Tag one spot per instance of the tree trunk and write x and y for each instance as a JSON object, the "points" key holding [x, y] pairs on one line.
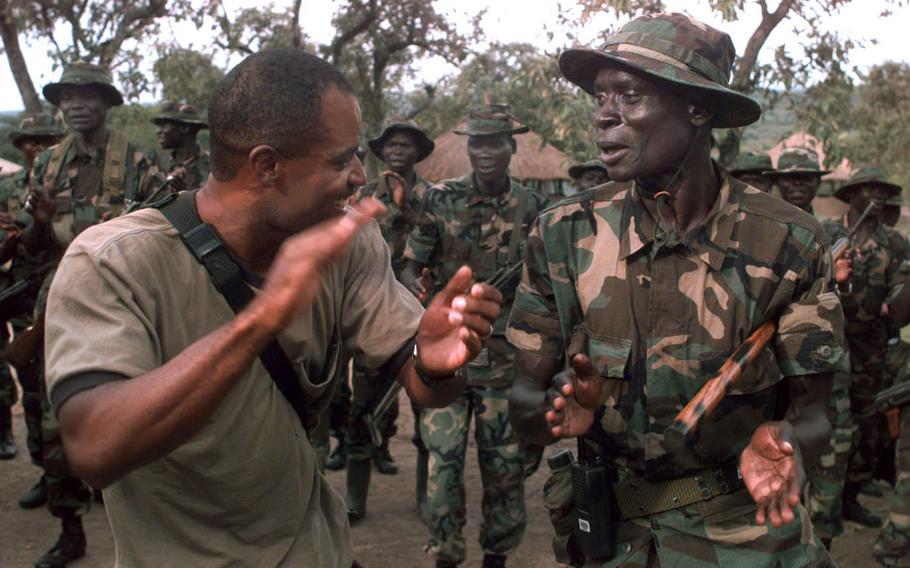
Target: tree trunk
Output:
{"points": [[17, 66]]}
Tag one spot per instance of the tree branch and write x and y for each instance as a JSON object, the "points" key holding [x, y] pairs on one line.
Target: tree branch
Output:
{"points": [[743, 75], [296, 34], [369, 16]]}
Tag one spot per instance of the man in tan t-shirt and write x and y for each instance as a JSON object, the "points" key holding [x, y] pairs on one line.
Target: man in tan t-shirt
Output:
{"points": [[161, 396]]}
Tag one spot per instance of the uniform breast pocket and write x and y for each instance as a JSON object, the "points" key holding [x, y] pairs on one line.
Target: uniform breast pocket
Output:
{"points": [[610, 355]]}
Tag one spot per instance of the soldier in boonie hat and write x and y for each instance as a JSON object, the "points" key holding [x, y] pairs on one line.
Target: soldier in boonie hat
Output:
{"points": [[80, 74], [752, 168], [867, 177], [424, 145], [177, 126], [589, 174], [39, 126], [798, 176], [491, 120]]}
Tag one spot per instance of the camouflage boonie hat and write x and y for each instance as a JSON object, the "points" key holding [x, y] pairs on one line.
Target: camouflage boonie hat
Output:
{"points": [[867, 175], [752, 162], [797, 161], [672, 47], [425, 146], [38, 125], [182, 113], [577, 170], [82, 73], [491, 120]]}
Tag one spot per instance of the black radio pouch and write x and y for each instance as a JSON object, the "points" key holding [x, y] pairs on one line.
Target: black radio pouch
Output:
{"points": [[592, 481]]}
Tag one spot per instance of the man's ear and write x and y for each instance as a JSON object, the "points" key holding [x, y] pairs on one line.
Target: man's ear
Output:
{"points": [[702, 112], [263, 160]]}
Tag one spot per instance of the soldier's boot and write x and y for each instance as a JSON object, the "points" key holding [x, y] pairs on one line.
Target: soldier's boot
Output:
{"points": [[423, 459], [338, 458], [7, 443], [871, 489], [494, 561], [854, 511], [358, 485], [70, 546], [36, 496], [383, 459]]}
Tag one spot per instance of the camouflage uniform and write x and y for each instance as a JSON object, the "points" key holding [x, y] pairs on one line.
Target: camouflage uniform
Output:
{"points": [[459, 226], [658, 316], [893, 542], [194, 170]]}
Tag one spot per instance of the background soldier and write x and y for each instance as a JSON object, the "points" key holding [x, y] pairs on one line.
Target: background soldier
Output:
{"points": [[798, 177], [90, 176], [588, 174], [35, 133], [876, 258], [645, 286], [753, 168], [177, 125], [480, 220], [401, 190]]}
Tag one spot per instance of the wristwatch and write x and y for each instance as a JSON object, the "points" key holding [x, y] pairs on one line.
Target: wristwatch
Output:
{"points": [[429, 381]]}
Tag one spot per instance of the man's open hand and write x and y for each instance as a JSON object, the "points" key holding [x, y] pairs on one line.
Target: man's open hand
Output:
{"points": [[772, 469], [573, 398], [456, 322]]}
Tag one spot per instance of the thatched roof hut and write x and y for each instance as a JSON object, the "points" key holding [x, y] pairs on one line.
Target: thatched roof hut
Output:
{"points": [[8, 168], [535, 164]]}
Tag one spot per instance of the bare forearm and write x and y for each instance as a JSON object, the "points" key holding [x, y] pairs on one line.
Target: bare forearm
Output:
{"points": [[442, 395], [808, 414], [528, 401], [158, 411]]}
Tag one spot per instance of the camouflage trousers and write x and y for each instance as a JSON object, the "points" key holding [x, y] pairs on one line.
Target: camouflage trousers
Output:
{"points": [[826, 479], [714, 533], [331, 423], [445, 434], [368, 391], [893, 542], [867, 361]]}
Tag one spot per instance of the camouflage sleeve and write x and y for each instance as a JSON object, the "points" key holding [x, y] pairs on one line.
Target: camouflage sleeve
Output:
{"points": [[810, 329], [899, 254], [534, 319], [148, 176], [424, 239]]}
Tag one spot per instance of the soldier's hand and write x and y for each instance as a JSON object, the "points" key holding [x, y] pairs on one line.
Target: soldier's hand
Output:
{"points": [[573, 397], [843, 268], [41, 205], [457, 321], [9, 226], [772, 470], [295, 276]]}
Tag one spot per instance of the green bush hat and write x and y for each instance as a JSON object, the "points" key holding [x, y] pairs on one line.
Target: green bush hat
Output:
{"points": [[82, 73], [182, 113], [425, 146], [797, 161], [867, 175], [38, 125], [577, 170], [751, 163], [895, 200], [672, 47], [491, 120]]}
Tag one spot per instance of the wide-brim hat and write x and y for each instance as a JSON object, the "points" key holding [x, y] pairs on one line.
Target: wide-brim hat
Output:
{"points": [[425, 146], [675, 48], [182, 113], [492, 120], [84, 74], [797, 161], [869, 175], [38, 125], [751, 163], [577, 170]]}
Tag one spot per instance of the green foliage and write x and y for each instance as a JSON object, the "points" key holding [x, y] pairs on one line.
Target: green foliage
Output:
{"points": [[186, 75]]}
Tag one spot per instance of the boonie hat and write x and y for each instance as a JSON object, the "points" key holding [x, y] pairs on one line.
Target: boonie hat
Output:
{"points": [[673, 47], [577, 170], [34, 126], [752, 162], [492, 120], [797, 161], [425, 146], [183, 113], [82, 73], [867, 175]]}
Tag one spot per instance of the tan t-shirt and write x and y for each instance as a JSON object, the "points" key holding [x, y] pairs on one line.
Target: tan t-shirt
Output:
{"points": [[244, 490]]}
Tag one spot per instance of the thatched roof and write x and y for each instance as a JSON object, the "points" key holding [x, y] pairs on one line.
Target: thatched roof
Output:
{"points": [[534, 160], [8, 168]]}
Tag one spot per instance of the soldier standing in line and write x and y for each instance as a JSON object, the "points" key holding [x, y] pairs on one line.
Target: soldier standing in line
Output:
{"points": [[400, 146], [752, 168], [876, 258], [480, 220], [645, 287], [798, 177], [35, 133], [92, 175], [177, 125], [589, 174]]}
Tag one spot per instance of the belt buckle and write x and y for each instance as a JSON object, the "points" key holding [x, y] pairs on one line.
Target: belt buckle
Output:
{"points": [[721, 480], [702, 485]]}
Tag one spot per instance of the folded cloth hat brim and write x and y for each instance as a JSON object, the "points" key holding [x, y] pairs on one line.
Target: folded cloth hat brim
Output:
{"points": [[580, 66], [109, 93], [843, 192], [471, 132], [425, 146], [180, 120], [796, 171]]}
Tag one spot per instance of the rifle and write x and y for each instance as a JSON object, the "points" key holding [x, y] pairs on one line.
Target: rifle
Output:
{"points": [[151, 198], [498, 279], [839, 248], [892, 397]]}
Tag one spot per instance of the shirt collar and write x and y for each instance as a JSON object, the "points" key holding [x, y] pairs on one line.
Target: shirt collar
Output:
{"points": [[475, 197], [710, 242]]}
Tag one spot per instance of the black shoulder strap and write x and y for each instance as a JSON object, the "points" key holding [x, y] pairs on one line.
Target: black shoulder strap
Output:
{"points": [[205, 245]]}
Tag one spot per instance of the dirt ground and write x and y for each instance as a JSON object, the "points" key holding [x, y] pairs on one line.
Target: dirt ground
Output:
{"points": [[390, 536]]}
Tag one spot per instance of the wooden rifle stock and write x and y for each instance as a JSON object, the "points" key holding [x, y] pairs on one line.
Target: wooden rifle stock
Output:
{"points": [[23, 349], [712, 392]]}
